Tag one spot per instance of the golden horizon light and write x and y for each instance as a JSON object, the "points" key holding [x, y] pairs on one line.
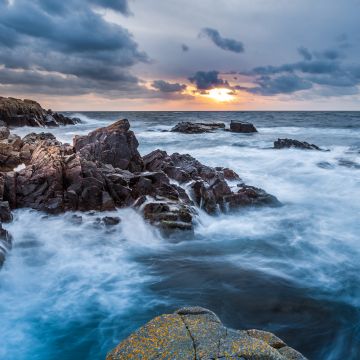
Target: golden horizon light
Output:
{"points": [[221, 95]]}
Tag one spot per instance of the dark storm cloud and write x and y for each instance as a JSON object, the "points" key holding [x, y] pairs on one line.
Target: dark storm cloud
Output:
{"points": [[167, 87], [324, 68], [184, 48], [284, 84], [69, 39], [223, 43], [206, 80]]}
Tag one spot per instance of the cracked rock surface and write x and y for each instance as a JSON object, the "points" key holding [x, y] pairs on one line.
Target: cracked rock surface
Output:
{"points": [[196, 333]]}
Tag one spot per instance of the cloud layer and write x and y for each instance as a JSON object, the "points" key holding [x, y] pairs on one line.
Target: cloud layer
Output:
{"points": [[66, 47]]}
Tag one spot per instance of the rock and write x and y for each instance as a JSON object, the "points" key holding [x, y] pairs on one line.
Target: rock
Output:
{"points": [[196, 128], [115, 145], [5, 244], [242, 127], [290, 143], [250, 196], [197, 333], [16, 112], [5, 212], [104, 170], [76, 219], [110, 220], [4, 133]]}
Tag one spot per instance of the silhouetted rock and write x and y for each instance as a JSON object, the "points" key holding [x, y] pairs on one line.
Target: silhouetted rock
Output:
{"points": [[242, 127], [196, 128], [197, 333], [291, 143], [16, 112]]}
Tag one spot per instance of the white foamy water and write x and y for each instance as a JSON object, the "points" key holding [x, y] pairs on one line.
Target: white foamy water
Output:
{"points": [[292, 270]]}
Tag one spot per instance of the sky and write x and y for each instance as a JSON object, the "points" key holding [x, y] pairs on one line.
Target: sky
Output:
{"points": [[182, 54]]}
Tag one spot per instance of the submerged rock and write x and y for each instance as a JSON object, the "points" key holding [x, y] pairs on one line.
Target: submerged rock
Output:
{"points": [[196, 128], [242, 127], [197, 333], [291, 143], [16, 112]]}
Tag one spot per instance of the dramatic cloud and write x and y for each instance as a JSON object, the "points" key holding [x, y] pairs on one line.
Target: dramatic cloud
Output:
{"points": [[324, 68], [167, 87], [223, 43], [208, 80], [285, 84], [45, 39]]}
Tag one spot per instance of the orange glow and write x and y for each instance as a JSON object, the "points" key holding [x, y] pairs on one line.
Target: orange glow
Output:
{"points": [[221, 95]]}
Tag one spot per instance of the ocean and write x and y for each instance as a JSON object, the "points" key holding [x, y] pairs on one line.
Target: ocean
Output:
{"points": [[70, 291]]}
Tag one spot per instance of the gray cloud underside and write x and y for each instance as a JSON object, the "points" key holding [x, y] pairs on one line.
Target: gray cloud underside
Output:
{"points": [[326, 68], [206, 80], [70, 39], [221, 42], [168, 87]]}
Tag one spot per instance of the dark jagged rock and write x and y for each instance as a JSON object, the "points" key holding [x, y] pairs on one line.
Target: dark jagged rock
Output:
{"points": [[115, 145], [290, 143], [242, 127], [197, 333], [196, 128], [209, 188], [104, 170], [111, 220], [16, 112], [5, 212], [5, 244]]}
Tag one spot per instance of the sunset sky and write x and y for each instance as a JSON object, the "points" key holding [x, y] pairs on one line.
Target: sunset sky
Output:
{"points": [[182, 54]]}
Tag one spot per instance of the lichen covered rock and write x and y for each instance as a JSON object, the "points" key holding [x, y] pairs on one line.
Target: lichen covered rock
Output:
{"points": [[197, 333]]}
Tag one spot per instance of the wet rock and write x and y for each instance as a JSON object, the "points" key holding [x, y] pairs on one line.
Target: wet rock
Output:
{"points": [[196, 128], [5, 244], [291, 143], [197, 333], [5, 212], [169, 216], [16, 112], [115, 145], [4, 132], [110, 220], [250, 196], [242, 127]]}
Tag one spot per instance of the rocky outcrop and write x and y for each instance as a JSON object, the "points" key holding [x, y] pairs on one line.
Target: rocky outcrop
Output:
{"points": [[115, 145], [104, 170], [196, 128], [16, 112], [290, 143], [197, 333], [242, 127]]}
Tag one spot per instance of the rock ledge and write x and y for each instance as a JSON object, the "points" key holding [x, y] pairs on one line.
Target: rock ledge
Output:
{"points": [[197, 333]]}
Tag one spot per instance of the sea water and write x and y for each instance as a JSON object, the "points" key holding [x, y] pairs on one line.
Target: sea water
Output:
{"points": [[73, 291]]}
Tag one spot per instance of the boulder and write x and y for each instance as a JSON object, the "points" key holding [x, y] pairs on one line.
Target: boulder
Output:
{"points": [[4, 132], [197, 333], [291, 143], [111, 220], [115, 145], [16, 112], [242, 127], [186, 127]]}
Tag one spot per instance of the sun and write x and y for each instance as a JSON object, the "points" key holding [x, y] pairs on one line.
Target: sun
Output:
{"points": [[220, 95]]}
